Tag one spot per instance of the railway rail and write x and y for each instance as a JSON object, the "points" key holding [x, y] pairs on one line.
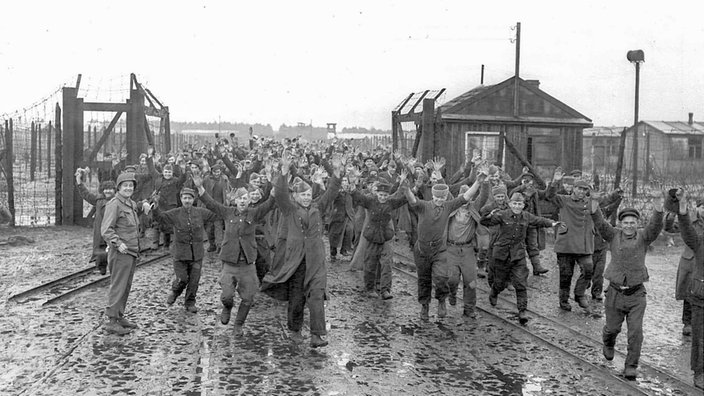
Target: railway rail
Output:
{"points": [[652, 380], [66, 286]]}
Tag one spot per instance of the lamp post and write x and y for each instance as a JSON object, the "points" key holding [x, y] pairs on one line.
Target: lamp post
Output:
{"points": [[636, 57]]}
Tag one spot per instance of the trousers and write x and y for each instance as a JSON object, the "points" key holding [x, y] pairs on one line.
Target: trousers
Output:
{"points": [[121, 275], [617, 307], [187, 274]]}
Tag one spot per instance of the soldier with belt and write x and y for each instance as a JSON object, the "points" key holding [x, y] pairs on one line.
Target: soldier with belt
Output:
{"points": [[120, 230], [627, 273]]}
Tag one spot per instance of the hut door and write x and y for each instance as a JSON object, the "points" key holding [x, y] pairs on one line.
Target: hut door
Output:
{"points": [[544, 155]]}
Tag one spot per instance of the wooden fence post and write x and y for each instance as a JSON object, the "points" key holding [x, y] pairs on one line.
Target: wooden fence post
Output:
{"points": [[32, 151], [9, 171], [39, 146], [48, 151], [58, 218]]}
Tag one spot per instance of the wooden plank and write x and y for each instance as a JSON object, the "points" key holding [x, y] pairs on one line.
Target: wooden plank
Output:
{"points": [[39, 148], [428, 137], [154, 97], [520, 120], [100, 106], [413, 109], [32, 151], [148, 132], [167, 131], [48, 151], [154, 112], [58, 216], [104, 137]]}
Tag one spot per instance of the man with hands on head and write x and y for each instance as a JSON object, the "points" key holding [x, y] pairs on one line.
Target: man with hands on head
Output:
{"points": [[627, 274], [188, 224]]}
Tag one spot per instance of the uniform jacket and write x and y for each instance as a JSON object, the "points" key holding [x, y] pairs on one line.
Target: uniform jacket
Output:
{"points": [[510, 241], [578, 235], [121, 224], [98, 201], [239, 228], [377, 229], [627, 266], [189, 231], [694, 241], [167, 190], [304, 236], [216, 187]]}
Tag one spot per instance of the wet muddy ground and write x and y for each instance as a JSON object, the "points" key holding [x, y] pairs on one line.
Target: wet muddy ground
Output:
{"points": [[376, 347]]}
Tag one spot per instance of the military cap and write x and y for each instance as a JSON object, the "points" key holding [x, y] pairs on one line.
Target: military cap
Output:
{"points": [[188, 191], [628, 212]]}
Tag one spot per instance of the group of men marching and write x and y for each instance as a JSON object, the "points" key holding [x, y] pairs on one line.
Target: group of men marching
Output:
{"points": [[266, 210]]}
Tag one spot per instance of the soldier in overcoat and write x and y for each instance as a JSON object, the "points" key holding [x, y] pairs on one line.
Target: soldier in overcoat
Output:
{"points": [[302, 276]]}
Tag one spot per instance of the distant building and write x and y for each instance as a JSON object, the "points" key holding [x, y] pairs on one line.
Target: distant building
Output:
{"points": [[600, 148]]}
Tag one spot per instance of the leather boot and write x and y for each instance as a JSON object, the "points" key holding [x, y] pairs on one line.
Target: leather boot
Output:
{"points": [[114, 327], [493, 298], [242, 313], [469, 312], [582, 301], [630, 373], [699, 380], [608, 352], [522, 317], [424, 312], [452, 298], [225, 314], [317, 341], [126, 323], [296, 337], [171, 299], [565, 300], [442, 309], [687, 330], [538, 269]]}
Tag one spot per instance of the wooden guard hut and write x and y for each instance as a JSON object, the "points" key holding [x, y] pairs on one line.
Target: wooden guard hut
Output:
{"points": [[543, 130]]}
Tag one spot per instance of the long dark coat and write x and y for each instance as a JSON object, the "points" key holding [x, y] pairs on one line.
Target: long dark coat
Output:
{"points": [[304, 240]]}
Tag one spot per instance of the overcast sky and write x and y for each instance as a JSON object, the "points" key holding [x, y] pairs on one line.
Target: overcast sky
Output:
{"points": [[351, 62]]}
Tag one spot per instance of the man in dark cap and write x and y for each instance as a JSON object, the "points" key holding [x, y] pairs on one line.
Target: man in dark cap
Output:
{"points": [[535, 237], [574, 243], [188, 223], [487, 235], [509, 252], [626, 273], [430, 249], [379, 232], [120, 230], [106, 193]]}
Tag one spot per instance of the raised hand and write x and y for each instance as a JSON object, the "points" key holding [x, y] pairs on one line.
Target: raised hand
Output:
{"points": [[558, 175], [659, 200], [150, 151], [285, 163], [402, 177], [197, 179]]}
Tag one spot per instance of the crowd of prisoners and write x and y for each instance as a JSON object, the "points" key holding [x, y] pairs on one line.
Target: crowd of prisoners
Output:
{"points": [[266, 207]]}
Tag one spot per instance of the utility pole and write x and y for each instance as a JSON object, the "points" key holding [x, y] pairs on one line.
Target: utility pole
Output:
{"points": [[636, 57], [518, 63]]}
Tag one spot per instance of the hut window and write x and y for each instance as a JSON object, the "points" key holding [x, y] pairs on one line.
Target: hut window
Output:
{"points": [[486, 142], [695, 147]]}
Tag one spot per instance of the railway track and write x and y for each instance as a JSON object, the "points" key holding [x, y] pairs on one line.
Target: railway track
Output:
{"points": [[578, 346], [61, 288]]}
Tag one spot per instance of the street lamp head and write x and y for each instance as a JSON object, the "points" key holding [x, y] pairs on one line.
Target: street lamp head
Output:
{"points": [[635, 56]]}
